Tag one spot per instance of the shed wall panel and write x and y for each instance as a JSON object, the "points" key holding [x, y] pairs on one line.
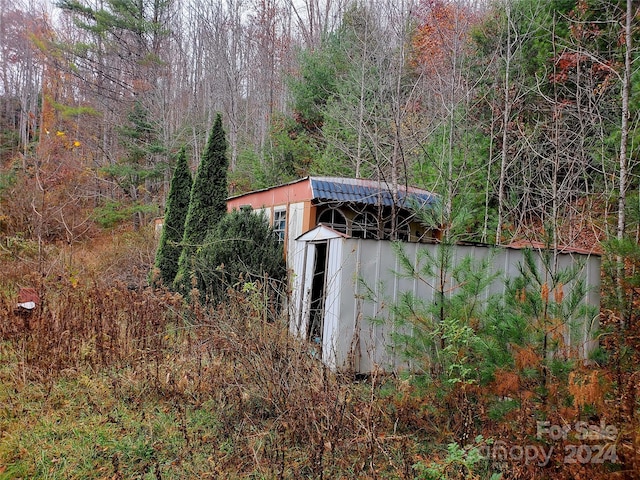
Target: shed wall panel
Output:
{"points": [[359, 269], [295, 221], [335, 332]]}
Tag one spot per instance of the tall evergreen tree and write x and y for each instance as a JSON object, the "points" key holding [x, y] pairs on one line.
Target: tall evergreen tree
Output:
{"points": [[176, 210], [119, 56], [208, 202]]}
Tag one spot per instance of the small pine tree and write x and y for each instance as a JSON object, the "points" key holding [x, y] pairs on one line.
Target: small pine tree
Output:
{"points": [[177, 206], [142, 163], [207, 205]]}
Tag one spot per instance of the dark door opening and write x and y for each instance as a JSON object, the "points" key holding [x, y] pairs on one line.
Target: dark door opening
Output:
{"points": [[316, 310]]}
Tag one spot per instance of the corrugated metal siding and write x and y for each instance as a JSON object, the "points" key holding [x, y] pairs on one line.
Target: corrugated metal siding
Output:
{"points": [[298, 261], [374, 262], [334, 331], [295, 219]]}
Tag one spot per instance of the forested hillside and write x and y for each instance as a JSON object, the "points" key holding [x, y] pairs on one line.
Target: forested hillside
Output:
{"points": [[522, 115]]}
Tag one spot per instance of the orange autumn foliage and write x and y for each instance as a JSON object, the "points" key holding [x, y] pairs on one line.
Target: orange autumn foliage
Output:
{"points": [[587, 388], [558, 294], [506, 383], [544, 292], [525, 357], [442, 33]]}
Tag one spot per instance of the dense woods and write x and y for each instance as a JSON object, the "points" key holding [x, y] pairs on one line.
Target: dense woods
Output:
{"points": [[522, 115], [522, 112]]}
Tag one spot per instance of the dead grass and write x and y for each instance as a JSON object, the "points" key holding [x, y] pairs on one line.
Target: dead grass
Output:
{"points": [[111, 379]]}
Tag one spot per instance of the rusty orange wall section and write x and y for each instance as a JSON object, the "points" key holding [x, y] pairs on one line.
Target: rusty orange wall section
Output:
{"points": [[309, 220], [273, 197]]}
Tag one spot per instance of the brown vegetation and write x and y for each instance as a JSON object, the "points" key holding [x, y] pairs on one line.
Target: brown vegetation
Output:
{"points": [[245, 399]]}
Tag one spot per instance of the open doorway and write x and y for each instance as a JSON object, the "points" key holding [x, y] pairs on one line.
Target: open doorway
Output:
{"points": [[316, 308]]}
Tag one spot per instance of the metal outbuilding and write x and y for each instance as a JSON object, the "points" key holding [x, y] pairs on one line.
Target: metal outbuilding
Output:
{"points": [[338, 235], [333, 275]]}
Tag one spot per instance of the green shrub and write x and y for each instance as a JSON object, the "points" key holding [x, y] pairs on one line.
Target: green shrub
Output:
{"points": [[241, 247], [113, 213]]}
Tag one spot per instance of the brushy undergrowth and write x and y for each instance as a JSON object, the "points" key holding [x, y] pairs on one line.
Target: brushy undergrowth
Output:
{"points": [[110, 379]]}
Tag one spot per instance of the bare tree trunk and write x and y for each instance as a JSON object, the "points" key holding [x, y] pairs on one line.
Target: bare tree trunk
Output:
{"points": [[624, 123], [487, 192], [622, 179], [506, 115]]}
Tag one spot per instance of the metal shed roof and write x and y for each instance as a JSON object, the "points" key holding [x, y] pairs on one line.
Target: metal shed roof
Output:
{"points": [[353, 190], [367, 192]]}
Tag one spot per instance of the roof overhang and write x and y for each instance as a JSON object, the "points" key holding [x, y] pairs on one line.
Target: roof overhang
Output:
{"points": [[320, 234]]}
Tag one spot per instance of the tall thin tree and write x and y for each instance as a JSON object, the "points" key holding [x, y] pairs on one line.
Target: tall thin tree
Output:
{"points": [[207, 204], [176, 210], [624, 123]]}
